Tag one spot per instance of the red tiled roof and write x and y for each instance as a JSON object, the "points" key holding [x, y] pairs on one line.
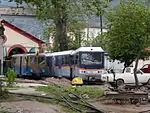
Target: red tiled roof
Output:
{"points": [[22, 32]]}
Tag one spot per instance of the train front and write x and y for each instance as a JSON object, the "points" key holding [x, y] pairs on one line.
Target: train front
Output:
{"points": [[90, 63]]}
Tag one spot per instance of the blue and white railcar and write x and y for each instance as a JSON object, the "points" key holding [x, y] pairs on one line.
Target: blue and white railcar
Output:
{"points": [[88, 63], [85, 62], [60, 63], [30, 65]]}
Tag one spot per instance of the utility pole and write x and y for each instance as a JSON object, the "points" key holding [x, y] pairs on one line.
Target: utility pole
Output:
{"points": [[101, 23], [2, 37], [2, 58]]}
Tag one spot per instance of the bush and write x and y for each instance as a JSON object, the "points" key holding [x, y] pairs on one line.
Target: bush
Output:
{"points": [[10, 77]]}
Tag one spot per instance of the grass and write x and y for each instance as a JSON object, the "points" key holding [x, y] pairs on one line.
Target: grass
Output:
{"points": [[13, 87], [91, 92], [57, 92], [5, 110]]}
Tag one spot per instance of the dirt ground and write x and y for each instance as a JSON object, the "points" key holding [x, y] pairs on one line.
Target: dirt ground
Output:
{"points": [[116, 108], [30, 107], [48, 81], [37, 107]]}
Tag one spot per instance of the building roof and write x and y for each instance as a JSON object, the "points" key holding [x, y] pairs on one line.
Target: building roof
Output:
{"points": [[22, 32]]}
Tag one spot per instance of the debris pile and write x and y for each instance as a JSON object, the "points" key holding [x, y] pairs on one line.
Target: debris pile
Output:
{"points": [[58, 81]]}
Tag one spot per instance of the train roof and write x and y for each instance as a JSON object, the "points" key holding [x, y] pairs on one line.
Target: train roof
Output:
{"points": [[59, 53], [88, 49], [27, 54]]}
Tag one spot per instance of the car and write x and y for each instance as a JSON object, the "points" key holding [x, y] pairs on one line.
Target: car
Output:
{"points": [[146, 68], [127, 77]]}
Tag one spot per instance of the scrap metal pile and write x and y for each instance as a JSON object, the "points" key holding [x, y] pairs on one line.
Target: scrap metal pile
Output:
{"points": [[127, 94]]}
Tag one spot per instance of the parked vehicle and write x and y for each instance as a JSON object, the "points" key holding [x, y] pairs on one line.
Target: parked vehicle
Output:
{"points": [[146, 68], [30, 65], [85, 62], [127, 77]]}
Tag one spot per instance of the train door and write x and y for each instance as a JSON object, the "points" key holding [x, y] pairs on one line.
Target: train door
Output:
{"points": [[75, 65], [13, 63], [33, 65], [42, 65], [59, 69], [53, 66], [17, 65], [24, 65], [65, 66], [20, 66], [49, 64], [71, 65]]}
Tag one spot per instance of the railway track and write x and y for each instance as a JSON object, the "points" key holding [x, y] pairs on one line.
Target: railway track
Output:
{"points": [[66, 98]]}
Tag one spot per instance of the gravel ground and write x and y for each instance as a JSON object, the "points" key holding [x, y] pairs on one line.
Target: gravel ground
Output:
{"points": [[30, 107], [127, 108], [48, 81], [37, 107]]}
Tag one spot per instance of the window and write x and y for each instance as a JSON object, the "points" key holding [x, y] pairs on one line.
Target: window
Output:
{"points": [[65, 59], [24, 60], [76, 59], [13, 61], [41, 60], [17, 61], [128, 70], [138, 72], [91, 58], [33, 59]]}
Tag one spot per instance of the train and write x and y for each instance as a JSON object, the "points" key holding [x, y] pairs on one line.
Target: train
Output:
{"points": [[84, 62], [30, 65]]}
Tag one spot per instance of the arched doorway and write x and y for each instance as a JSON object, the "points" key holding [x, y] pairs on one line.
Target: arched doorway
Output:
{"points": [[16, 49]]}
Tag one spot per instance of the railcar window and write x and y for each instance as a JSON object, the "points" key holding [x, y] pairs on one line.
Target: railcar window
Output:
{"points": [[13, 61], [91, 58], [17, 61], [24, 61], [76, 59], [41, 60], [65, 60], [33, 59]]}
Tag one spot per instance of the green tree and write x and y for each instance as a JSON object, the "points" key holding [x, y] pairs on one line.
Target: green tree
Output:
{"points": [[75, 34], [63, 12], [129, 32]]}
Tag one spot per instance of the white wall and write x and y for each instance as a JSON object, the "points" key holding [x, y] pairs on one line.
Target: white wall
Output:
{"points": [[116, 65], [93, 32], [141, 63]]}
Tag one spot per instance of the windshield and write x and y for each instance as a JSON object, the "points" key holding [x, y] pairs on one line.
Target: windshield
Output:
{"points": [[91, 58]]}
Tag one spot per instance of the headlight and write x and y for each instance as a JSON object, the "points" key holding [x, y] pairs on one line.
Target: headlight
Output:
{"points": [[82, 71], [104, 78]]}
